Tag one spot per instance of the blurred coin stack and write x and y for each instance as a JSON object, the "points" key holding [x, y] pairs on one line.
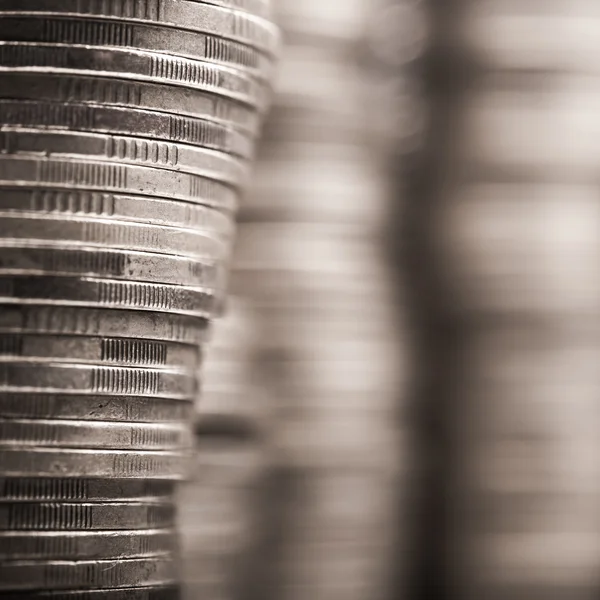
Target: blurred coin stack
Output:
{"points": [[514, 241], [126, 133], [308, 255], [219, 507]]}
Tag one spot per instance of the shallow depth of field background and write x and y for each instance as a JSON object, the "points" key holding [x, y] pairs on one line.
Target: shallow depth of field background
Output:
{"points": [[402, 400]]}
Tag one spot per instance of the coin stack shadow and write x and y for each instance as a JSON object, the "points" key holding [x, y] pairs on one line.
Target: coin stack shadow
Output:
{"points": [[127, 129], [509, 218], [308, 255]]}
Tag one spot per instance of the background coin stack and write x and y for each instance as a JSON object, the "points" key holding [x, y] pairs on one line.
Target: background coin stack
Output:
{"points": [[220, 507], [126, 133], [399, 38], [309, 255], [511, 244]]}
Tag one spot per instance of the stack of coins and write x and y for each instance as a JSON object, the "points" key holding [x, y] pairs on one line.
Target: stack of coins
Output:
{"points": [[309, 255], [233, 402], [220, 517], [399, 37], [126, 134], [512, 236], [220, 506]]}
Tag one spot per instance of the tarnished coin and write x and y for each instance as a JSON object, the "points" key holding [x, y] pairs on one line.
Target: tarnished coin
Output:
{"points": [[121, 34], [108, 323], [103, 91], [17, 375], [139, 209], [182, 14], [86, 490], [117, 464], [57, 433], [134, 65], [133, 352], [124, 150], [110, 177], [90, 407], [105, 234], [59, 575], [133, 593], [108, 515], [19, 258], [102, 293], [95, 545], [130, 122]]}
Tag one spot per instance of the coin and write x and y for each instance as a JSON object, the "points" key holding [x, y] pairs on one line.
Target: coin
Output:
{"points": [[49, 575], [140, 209], [133, 593], [102, 322], [110, 91], [152, 268], [18, 375], [108, 515], [49, 462], [85, 490], [260, 8], [124, 150], [93, 407], [95, 545], [40, 433], [110, 234], [117, 351], [113, 177], [121, 34], [134, 65], [183, 14], [38, 114], [91, 292]]}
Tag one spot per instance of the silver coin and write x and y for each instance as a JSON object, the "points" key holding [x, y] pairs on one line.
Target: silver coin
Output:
{"points": [[39, 319], [110, 177], [19, 376], [116, 351], [160, 156], [19, 258], [108, 234], [85, 545], [151, 494], [183, 14], [134, 593], [131, 122], [116, 464], [147, 210], [94, 408], [110, 515], [35, 575], [40, 433], [102, 293], [134, 65], [109, 91], [150, 38], [260, 8]]}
